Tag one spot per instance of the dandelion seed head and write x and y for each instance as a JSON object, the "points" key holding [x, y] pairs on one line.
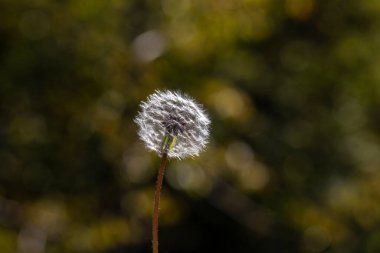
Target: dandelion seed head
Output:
{"points": [[176, 114]]}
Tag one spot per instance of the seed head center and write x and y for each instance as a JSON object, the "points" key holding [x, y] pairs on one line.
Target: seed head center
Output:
{"points": [[174, 125]]}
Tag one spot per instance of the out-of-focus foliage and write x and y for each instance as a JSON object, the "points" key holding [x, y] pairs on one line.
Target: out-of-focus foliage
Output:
{"points": [[293, 90]]}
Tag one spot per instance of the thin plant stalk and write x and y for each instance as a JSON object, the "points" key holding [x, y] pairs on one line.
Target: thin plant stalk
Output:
{"points": [[157, 194]]}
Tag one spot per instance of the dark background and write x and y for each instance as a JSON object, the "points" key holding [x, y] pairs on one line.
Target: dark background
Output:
{"points": [[292, 88]]}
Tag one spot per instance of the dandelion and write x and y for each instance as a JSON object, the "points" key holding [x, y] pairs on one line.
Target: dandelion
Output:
{"points": [[173, 125], [176, 116]]}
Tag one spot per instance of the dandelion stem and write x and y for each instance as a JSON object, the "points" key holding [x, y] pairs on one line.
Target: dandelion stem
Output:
{"points": [[157, 194]]}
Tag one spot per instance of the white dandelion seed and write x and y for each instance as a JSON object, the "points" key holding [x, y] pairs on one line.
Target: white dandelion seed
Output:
{"points": [[168, 114]]}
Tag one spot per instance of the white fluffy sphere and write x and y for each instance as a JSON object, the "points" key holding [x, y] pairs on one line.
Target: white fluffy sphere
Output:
{"points": [[176, 114]]}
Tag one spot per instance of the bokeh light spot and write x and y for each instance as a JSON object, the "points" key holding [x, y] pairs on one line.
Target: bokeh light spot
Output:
{"points": [[316, 239], [149, 45]]}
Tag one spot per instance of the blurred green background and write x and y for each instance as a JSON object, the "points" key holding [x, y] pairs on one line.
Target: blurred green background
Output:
{"points": [[293, 91]]}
